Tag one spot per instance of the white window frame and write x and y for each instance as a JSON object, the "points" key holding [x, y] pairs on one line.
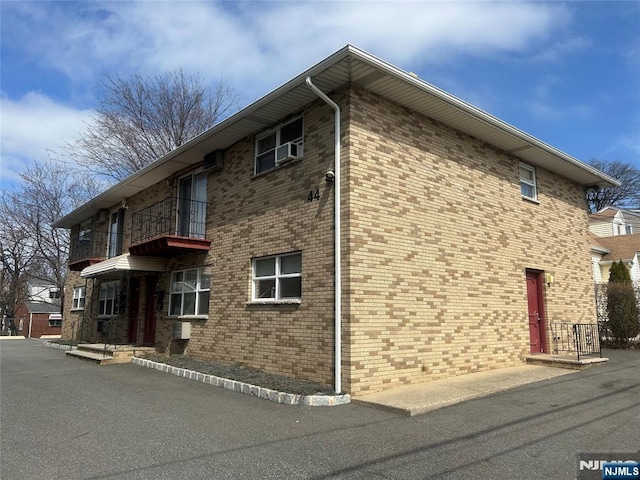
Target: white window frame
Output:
{"points": [[529, 183], [103, 296], [79, 298], [277, 130], [199, 290], [277, 277]]}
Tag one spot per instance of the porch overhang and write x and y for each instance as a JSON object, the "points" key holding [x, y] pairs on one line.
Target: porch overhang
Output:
{"points": [[80, 265], [123, 263], [169, 245]]}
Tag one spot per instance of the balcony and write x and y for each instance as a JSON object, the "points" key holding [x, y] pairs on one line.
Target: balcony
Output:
{"points": [[169, 227], [88, 248]]}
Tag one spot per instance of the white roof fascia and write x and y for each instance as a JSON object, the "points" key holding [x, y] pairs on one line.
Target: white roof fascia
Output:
{"points": [[124, 188]]}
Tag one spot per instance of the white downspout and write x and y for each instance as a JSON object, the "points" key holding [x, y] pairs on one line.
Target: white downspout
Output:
{"points": [[30, 321], [337, 251]]}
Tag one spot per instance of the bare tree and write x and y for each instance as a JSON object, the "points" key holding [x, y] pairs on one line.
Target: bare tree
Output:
{"points": [[31, 248], [627, 195], [139, 119]]}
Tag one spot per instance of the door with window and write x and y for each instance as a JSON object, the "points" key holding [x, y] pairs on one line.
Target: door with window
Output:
{"points": [[535, 301], [192, 206]]}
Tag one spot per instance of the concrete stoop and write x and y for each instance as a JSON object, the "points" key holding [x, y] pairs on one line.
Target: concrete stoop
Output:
{"points": [[564, 361], [107, 355]]}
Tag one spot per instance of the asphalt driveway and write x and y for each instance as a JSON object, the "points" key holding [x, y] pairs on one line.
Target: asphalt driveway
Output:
{"points": [[64, 418]]}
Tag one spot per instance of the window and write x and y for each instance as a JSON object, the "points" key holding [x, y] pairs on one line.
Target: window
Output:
{"points": [[189, 293], [108, 299], [192, 205], [628, 229], [277, 278], [53, 294], [267, 144], [85, 231], [528, 186], [79, 296], [55, 320], [116, 229]]}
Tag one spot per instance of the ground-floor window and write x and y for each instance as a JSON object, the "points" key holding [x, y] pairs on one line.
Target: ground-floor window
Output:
{"points": [[278, 277], [107, 299], [189, 293], [79, 298]]}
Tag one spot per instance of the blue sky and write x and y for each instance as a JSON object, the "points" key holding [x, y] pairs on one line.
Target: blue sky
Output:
{"points": [[567, 73]]}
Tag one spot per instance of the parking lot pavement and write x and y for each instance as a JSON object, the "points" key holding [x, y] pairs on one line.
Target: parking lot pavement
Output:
{"points": [[63, 418]]}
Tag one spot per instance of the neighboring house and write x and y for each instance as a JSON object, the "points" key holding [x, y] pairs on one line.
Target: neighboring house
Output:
{"points": [[35, 319], [46, 293], [462, 239], [606, 250], [612, 221]]}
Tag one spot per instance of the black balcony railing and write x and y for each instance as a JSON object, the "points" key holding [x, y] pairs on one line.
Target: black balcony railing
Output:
{"points": [[171, 216], [88, 245], [576, 338]]}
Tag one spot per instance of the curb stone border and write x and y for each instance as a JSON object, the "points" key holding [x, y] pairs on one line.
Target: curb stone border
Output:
{"points": [[58, 346], [247, 388]]}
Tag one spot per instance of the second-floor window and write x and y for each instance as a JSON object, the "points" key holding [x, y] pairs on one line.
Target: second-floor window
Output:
{"points": [[278, 145], [116, 229], [192, 205], [528, 184]]}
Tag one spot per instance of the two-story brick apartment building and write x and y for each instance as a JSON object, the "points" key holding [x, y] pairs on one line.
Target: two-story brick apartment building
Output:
{"points": [[449, 220]]}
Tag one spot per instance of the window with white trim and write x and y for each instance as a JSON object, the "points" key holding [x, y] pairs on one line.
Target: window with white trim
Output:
{"points": [[277, 278], [108, 299], [189, 293], [79, 298], [268, 143], [528, 185]]}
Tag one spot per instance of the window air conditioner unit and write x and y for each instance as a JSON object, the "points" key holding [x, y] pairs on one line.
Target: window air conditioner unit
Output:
{"points": [[181, 331], [286, 152], [213, 161]]}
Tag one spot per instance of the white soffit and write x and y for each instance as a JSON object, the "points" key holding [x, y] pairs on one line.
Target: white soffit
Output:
{"points": [[124, 263], [347, 65]]}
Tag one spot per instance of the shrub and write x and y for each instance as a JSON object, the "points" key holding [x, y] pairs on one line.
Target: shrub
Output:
{"points": [[622, 305]]}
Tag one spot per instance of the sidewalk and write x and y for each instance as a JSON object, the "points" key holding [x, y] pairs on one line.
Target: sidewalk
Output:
{"points": [[416, 399]]}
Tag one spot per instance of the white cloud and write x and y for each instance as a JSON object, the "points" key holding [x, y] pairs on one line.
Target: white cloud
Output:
{"points": [[31, 126], [262, 44]]}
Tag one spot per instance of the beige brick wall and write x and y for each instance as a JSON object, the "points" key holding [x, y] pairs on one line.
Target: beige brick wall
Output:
{"points": [[436, 241], [439, 241]]}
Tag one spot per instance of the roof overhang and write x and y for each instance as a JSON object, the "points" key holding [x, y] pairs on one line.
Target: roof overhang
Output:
{"points": [[347, 65], [113, 267]]}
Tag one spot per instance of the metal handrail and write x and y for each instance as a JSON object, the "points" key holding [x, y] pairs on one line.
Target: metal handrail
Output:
{"points": [[172, 216], [579, 338]]}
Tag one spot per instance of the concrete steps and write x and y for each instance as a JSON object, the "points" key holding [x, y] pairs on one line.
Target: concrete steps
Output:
{"points": [[564, 361], [107, 355]]}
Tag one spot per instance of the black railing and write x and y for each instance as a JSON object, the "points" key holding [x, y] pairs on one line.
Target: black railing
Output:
{"points": [[576, 338], [171, 216], [87, 245]]}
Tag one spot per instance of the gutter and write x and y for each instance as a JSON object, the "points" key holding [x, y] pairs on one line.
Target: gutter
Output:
{"points": [[337, 251]]}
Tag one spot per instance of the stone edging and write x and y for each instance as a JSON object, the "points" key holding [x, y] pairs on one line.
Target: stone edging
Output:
{"points": [[260, 392], [58, 345]]}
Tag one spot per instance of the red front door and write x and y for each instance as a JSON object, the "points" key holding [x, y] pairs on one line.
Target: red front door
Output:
{"points": [[134, 303], [149, 334], [536, 311]]}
